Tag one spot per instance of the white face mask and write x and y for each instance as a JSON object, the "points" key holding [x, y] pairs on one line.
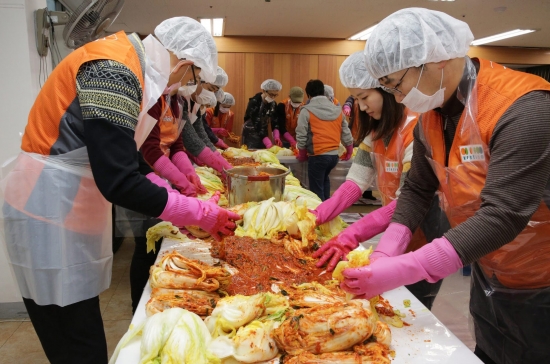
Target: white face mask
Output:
{"points": [[295, 105], [269, 99], [224, 110], [419, 102]]}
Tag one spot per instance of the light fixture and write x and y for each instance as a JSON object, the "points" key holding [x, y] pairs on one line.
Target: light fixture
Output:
{"points": [[364, 34], [214, 26], [501, 36]]}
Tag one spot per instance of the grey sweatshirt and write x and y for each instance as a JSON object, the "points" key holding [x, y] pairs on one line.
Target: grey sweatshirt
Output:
{"points": [[325, 110]]}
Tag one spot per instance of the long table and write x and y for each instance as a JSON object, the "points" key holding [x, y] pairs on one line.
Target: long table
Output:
{"points": [[426, 340]]}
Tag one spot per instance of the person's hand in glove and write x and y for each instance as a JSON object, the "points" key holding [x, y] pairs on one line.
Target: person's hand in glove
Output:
{"points": [[161, 182], [432, 262], [167, 169], [184, 211], [196, 181], [267, 142], [290, 139], [220, 144], [346, 110], [302, 155], [220, 132], [342, 198], [277, 138], [349, 153], [334, 250], [338, 247]]}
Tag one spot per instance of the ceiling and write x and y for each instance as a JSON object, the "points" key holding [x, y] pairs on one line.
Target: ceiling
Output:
{"points": [[340, 18]]}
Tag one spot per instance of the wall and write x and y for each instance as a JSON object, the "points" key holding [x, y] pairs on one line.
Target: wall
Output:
{"points": [[19, 72], [293, 61]]}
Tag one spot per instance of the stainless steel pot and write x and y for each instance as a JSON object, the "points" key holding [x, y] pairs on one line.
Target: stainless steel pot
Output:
{"points": [[245, 184]]}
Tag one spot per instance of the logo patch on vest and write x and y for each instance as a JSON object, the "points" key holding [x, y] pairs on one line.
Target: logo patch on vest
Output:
{"points": [[392, 166], [472, 153]]}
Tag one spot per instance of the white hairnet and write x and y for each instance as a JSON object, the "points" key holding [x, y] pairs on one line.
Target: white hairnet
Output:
{"points": [[228, 99], [271, 85], [354, 74], [219, 95], [208, 98], [415, 36], [222, 79], [329, 91], [187, 38]]}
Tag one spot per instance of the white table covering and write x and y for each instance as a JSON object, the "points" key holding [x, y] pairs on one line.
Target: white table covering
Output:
{"points": [[427, 340]]}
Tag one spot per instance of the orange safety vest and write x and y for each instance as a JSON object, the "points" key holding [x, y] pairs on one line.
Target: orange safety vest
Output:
{"points": [[326, 134], [389, 167], [221, 120], [169, 130], [291, 117], [522, 263], [42, 129]]}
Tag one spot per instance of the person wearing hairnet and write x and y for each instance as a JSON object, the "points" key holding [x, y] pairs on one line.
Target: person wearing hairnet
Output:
{"points": [[385, 156], [287, 113], [205, 131], [329, 93], [260, 112], [220, 119], [79, 154], [482, 144], [195, 140], [321, 128]]}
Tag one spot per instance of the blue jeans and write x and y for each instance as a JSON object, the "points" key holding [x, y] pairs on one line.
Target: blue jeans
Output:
{"points": [[318, 170]]}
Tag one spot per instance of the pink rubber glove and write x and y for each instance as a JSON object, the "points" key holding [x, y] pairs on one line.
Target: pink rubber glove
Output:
{"points": [[343, 197], [394, 241], [220, 132], [346, 110], [168, 170], [214, 160], [277, 138], [183, 163], [267, 142], [432, 262], [161, 182], [193, 159], [220, 144], [290, 139], [338, 247], [349, 153], [183, 211], [302, 155]]}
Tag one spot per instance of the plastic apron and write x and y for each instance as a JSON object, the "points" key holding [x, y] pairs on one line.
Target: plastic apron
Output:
{"points": [[57, 224], [58, 236], [511, 323], [170, 125]]}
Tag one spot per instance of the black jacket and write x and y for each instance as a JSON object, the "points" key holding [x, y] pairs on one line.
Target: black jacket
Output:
{"points": [[257, 117]]}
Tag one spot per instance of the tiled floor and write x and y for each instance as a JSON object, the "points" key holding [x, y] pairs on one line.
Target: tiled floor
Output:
{"points": [[19, 343]]}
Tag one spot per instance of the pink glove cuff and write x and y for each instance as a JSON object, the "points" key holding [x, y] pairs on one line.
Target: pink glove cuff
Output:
{"points": [[439, 259], [214, 160], [370, 225], [394, 241], [276, 134], [182, 211], [161, 182], [267, 142], [289, 138], [167, 169], [343, 197], [347, 108], [221, 144], [183, 163]]}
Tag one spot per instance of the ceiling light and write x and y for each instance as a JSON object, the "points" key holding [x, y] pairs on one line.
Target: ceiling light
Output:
{"points": [[214, 26], [364, 34], [501, 36]]}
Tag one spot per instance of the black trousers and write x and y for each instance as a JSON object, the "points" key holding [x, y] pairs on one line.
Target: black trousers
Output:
{"points": [[318, 170], [70, 334]]}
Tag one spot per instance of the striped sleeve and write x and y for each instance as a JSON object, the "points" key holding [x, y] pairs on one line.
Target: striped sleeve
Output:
{"points": [[362, 171], [109, 90], [519, 172]]}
